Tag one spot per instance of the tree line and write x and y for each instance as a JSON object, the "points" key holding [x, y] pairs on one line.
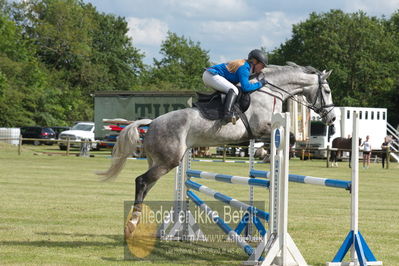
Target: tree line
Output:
{"points": [[54, 54]]}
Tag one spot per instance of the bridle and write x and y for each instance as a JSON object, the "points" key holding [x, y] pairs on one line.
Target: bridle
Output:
{"points": [[323, 106], [319, 95]]}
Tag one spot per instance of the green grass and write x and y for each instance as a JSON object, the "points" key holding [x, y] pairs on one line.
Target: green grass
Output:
{"points": [[55, 211]]}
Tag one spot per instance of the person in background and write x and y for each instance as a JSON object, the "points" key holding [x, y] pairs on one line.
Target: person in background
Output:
{"points": [[224, 77], [384, 148], [366, 152]]}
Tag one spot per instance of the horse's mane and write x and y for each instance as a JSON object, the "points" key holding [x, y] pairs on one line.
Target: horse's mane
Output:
{"points": [[291, 66]]}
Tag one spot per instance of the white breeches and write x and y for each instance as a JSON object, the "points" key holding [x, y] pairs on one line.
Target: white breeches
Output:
{"points": [[218, 83]]}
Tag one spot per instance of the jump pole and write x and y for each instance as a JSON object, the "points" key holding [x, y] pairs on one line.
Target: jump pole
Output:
{"points": [[280, 248], [361, 254]]}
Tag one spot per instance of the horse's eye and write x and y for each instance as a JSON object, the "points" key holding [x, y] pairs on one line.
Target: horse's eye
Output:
{"points": [[327, 90]]}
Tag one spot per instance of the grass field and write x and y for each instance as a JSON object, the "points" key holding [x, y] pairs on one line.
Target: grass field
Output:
{"points": [[55, 211]]}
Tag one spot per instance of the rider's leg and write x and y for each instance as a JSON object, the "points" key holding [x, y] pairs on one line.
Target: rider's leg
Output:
{"points": [[221, 84], [218, 83], [229, 115]]}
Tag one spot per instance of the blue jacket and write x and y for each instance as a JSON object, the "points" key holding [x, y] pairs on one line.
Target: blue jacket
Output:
{"points": [[240, 76]]}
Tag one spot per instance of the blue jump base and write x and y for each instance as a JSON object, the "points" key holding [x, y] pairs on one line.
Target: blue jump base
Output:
{"points": [[363, 252]]}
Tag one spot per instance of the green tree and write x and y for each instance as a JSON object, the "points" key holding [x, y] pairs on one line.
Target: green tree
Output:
{"points": [[116, 63], [83, 50], [360, 50], [393, 26], [181, 66], [22, 79]]}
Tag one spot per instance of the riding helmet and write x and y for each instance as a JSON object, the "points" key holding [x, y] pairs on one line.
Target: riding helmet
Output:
{"points": [[258, 55]]}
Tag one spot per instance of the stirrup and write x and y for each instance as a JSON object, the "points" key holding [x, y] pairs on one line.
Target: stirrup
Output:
{"points": [[230, 118]]}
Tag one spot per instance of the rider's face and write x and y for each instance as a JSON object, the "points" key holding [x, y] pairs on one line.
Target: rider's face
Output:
{"points": [[258, 66]]}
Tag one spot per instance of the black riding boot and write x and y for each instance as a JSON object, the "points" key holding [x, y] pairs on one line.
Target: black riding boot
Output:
{"points": [[229, 115]]}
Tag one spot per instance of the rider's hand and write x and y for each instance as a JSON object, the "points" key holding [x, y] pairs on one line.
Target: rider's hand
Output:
{"points": [[263, 82]]}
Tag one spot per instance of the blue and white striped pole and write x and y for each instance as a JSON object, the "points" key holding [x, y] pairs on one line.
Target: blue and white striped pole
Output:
{"points": [[226, 161], [307, 179], [228, 178], [220, 222], [228, 200]]}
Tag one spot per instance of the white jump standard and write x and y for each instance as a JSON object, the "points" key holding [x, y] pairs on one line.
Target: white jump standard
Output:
{"points": [[360, 252], [280, 248]]}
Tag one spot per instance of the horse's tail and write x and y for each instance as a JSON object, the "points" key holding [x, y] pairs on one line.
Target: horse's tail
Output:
{"points": [[126, 143]]}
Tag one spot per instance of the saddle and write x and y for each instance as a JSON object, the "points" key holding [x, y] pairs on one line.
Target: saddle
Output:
{"points": [[212, 108]]}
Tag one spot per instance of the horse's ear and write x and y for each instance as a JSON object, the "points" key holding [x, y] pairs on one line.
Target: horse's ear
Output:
{"points": [[325, 76]]}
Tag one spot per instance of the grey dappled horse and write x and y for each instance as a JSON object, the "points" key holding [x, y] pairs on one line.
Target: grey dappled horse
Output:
{"points": [[170, 135]]}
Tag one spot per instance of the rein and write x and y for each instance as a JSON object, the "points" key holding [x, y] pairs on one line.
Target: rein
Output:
{"points": [[312, 106]]}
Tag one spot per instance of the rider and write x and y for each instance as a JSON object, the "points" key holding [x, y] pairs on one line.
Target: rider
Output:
{"points": [[223, 78]]}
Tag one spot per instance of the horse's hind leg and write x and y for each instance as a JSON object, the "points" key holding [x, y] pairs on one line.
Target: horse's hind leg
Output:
{"points": [[333, 159], [144, 183]]}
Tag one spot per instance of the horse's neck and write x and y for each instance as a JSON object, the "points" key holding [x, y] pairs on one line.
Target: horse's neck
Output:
{"points": [[291, 82], [288, 83], [270, 100]]}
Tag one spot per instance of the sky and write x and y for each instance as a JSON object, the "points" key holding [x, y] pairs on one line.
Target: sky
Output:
{"points": [[227, 29]]}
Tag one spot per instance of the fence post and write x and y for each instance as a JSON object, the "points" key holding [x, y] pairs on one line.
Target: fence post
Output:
{"points": [[328, 156], [20, 145], [84, 148], [388, 156], [68, 146], [224, 153]]}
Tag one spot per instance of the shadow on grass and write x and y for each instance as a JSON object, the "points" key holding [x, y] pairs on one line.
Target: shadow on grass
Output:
{"points": [[200, 252], [117, 240], [164, 252]]}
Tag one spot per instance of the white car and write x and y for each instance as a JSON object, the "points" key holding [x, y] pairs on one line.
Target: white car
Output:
{"points": [[80, 131]]}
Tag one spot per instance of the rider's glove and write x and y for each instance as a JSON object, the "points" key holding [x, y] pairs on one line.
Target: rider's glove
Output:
{"points": [[263, 82]]}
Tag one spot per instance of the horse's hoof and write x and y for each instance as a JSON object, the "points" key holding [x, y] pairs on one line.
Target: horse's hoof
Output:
{"points": [[131, 223], [129, 230]]}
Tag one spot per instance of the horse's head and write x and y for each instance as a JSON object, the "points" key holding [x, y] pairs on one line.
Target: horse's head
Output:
{"points": [[319, 98]]}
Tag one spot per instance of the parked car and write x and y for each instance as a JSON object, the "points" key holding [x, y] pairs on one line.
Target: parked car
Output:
{"points": [[239, 150], [59, 129], [45, 133], [79, 132]]}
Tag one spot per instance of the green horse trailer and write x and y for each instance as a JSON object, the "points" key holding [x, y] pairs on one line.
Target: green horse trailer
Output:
{"points": [[135, 105]]}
